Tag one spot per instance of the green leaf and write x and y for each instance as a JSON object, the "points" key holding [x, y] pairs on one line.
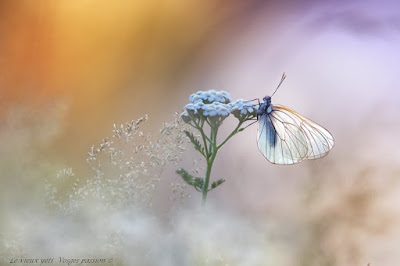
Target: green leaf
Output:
{"points": [[196, 182], [217, 183], [188, 178], [195, 142]]}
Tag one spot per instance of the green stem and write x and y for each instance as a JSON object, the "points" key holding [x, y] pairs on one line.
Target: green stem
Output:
{"points": [[207, 178], [212, 141], [210, 161], [204, 137]]}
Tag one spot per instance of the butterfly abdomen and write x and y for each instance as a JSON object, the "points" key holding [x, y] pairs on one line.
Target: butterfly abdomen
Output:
{"points": [[271, 133]]}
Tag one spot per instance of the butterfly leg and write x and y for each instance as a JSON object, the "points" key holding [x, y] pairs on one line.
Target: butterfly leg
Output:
{"points": [[259, 104], [251, 123], [256, 99]]}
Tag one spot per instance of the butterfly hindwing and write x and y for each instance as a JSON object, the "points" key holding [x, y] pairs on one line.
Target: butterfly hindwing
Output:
{"points": [[319, 140], [286, 137]]}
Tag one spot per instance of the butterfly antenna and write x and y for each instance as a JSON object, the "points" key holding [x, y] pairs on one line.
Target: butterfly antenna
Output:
{"points": [[282, 79]]}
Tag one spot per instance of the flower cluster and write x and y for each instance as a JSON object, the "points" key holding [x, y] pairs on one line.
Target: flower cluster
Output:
{"points": [[211, 109], [242, 108], [216, 104]]}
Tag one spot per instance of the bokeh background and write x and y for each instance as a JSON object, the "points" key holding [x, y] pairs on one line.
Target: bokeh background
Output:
{"points": [[71, 69]]}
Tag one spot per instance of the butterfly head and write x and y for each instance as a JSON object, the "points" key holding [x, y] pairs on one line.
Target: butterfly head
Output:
{"points": [[267, 100]]}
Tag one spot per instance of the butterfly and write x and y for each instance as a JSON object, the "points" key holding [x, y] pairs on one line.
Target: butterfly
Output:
{"points": [[286, 137]]}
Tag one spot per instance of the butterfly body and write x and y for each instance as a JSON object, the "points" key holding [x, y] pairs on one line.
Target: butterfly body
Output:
{"points": [[265, 107], [286, 137]]}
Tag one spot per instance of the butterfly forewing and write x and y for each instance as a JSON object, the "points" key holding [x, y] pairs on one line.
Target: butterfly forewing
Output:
{"points": [[280, 140], [266, 137]]}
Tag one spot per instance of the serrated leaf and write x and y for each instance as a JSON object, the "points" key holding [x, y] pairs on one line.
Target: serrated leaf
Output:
{"points": [[195, 142], [188, 178], [217, 183], [196, 182]]}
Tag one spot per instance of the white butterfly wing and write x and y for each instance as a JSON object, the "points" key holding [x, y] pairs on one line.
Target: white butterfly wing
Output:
{"points": [[319, 140], [286, 137], [280, 140]]}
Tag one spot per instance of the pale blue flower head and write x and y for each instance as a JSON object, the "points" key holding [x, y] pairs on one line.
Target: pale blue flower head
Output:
{"points": [[217, 104], [210, 96], [217, 109], [243, 108], [191, 108]]}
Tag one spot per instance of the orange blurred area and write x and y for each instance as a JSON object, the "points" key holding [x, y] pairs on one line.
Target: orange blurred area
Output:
{"points": [[84, 48], [104, 61], [90, 48]]}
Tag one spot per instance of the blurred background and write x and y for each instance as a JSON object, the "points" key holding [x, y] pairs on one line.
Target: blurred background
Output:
{"points": [[71, 69]]}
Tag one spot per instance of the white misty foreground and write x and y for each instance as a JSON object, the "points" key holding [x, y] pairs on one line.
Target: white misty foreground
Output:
{"points": [[120, 212], [137, 238], [134, 209]]}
